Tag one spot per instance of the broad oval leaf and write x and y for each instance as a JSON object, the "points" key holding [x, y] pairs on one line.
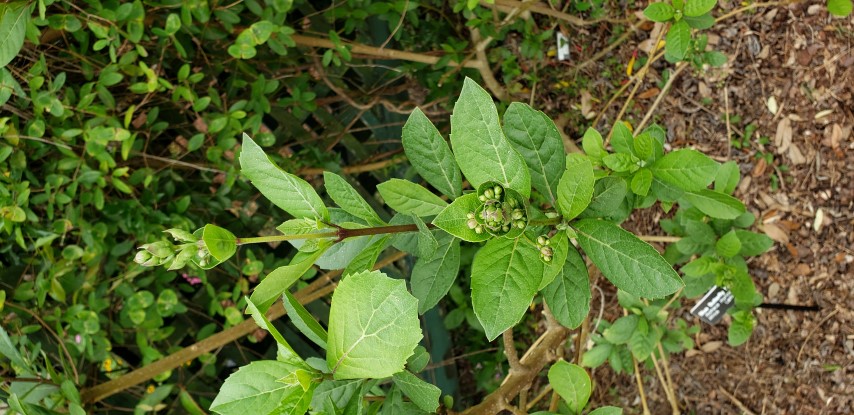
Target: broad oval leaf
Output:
{"points": [[290, 193], [659, 12], [432, 278], [534, 135], [481, 150], [677, 42], [715, 204], [575, 189], [621, 138], [276, 282], [694, 8], [13, 26], [422, 394], [373, 327], [593, 145], [629, 263], [411, 198], [686, 169], [505, 276], [220, 242], [453, 219], [430, 155], [568, 296], [572, 383], [255, 389]]}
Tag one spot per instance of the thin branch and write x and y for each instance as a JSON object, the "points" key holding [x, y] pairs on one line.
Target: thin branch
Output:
{"points": [[639, 382], [482, 63], [358, 48], [679, 68], [607, 49], [510, 351], [655, 238], [355, 169], [544, 9], [737, 402], [668, 392]]}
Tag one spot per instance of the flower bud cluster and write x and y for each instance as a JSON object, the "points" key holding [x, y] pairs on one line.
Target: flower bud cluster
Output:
{"points": [[546, 252], [174, 257], [498, 214]]}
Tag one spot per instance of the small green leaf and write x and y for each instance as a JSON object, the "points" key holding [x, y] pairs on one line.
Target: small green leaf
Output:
{"points": [[838, 8], [753, 243], [288, 192], [220, 242], [644, 146], [422, 394], [505, 275], [727, 177], [686, 169], [568, 296], [14, 17], [373, 327], [715, 204], [728, 245], [694, 8], [346, 197], [454, 220], [659, 12], [304, 321], [714, 58], [607, 410], [276, 282], [575, 189], [572, 383], [411, 198], [678, 41], [621, 138], [596, 356], [366, 259], [609, 193], [741, 328], [700, 22], [286, 352], [534, 135], [9, 351], [593, 145], [622, 330], [481, 150], [432, 278], [430, 155], [629, 263], [641, 182], [621, 162]]}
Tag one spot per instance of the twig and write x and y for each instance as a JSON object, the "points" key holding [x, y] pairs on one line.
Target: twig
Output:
{"points": [[639, 381], [319, 288], [355, 169], [655, 238], [671, 396], [620, 92], [737, 402], [728, 123], [483, 67], [543, 9], [589, 61], [357, 48], [746, 8], [538, 398], [510, 351], [679, 68], [824, 320], [399, 24]]}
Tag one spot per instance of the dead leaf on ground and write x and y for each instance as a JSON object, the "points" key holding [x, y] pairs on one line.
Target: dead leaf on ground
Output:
{"points": [[711, 346], [783, 137], [776, 233], [649, 93], [795, 155]]}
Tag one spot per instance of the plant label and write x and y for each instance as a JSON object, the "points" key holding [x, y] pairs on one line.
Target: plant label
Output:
{"points": [[712, 307]]}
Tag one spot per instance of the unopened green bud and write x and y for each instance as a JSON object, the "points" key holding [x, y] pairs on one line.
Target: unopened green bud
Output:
{"points": [[541, 240], [518, 214], [161, 249], [470, 215], [505, 228], [497, 189], [520, 224], [142, 257], [488, 193], [547, 258], [546, 251], [478, 229], [184, 256], [472, 223], [482, 198], [551, 215], [512, 203]]}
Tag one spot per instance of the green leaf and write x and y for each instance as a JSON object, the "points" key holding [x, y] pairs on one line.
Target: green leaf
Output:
{"points": [[481, 150], [644, 146], [505, 275], [534, 135], [220, 242], [288, 192], [366, 259], [373, 327], [621, 162], [694, 8], [715, 204], [596, 356], [686, 169], [659, 12], [427, 243], [568, 296], [700, 22], [9, 351], [432, 278], [629, 263], [622, 330], [838, 8], [728, 245], [346, 197], [741, 328], [727, 177], [641, 182], [453, 219], [644, 340], [572, 383], [286, 352], [430, 155], [560, 248], [575, 189], [607, 410], [593, 145], [608, 194], [753, 243], [423, 394], [621, 138], [255, 388], [13, 26], [304, 321], [678, 41], [276, 282], [411, 198], [714, 58]]}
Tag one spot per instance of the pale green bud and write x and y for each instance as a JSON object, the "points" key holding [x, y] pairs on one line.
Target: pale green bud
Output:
{"points": [[181, 235]]}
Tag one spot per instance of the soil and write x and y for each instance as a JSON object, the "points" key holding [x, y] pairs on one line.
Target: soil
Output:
{"points": [[791, 74]]}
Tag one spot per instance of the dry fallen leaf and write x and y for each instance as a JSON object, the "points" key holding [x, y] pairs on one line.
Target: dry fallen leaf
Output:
{"points": [[821, 114], [795, 155], [772, 105], [776, 233], [711, 346], [783, 137], [649, 93], [819, 220]]}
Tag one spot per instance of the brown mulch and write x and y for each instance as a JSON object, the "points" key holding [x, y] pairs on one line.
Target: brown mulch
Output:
{"points": [[799, 62]]}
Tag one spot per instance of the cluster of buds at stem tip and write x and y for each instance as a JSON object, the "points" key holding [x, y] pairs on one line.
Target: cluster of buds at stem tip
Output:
{"points": [[498, 214], [173, 256], [546, 251]]}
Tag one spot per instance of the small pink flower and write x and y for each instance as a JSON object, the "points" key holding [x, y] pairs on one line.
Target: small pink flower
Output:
{"points": [[192, 280], [77, 338]]}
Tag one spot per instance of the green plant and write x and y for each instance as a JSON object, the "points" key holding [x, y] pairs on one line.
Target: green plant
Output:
{"points": [[530, 201]]}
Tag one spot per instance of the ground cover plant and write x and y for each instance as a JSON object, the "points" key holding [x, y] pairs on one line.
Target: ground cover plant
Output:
{"points": [[83, 187]]}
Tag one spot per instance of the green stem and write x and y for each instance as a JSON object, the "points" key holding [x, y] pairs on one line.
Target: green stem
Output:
{"points": [[339, 235], [545, 222], [279, 238]]}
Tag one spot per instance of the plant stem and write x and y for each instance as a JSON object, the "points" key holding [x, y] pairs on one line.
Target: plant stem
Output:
{"points": [[671, 397], [510, 350], [280, 238], [340, 234], [640, 387]]}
